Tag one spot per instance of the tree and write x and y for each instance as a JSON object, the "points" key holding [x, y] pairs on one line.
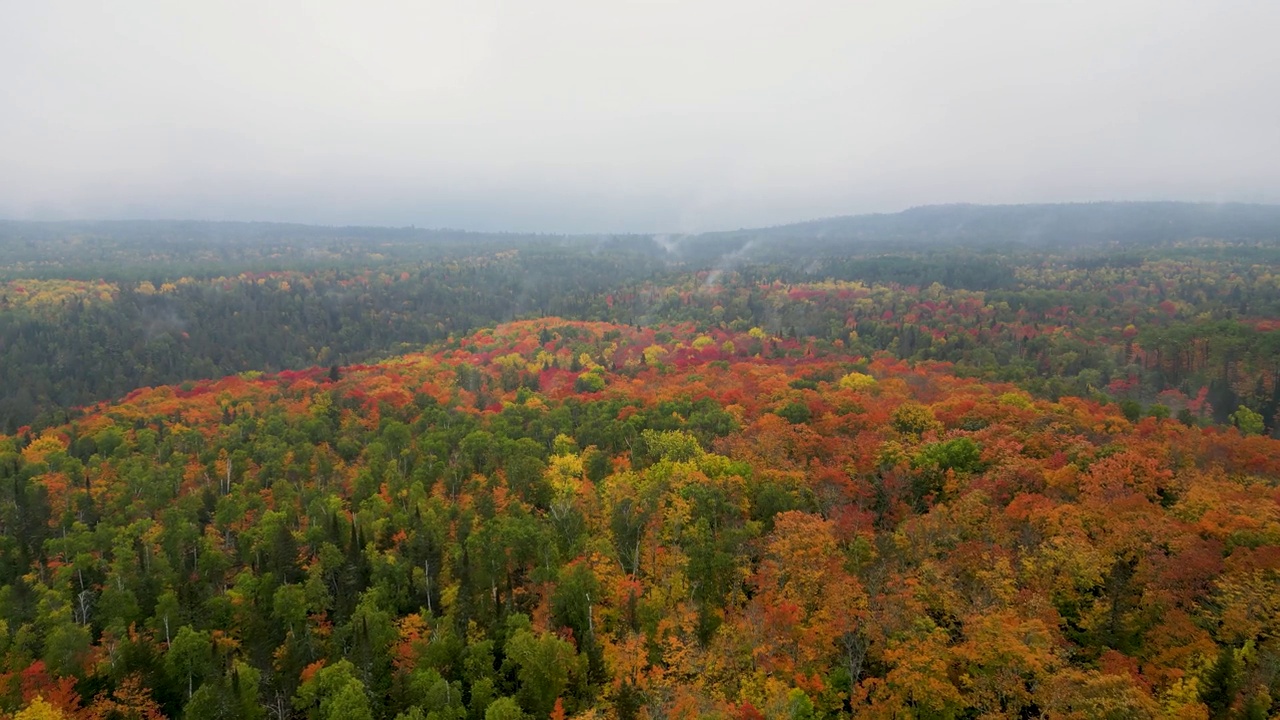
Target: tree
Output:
{"points": [[912, 418], [38, 709], [932, 463], [542, 663], [1221, 683], [190, 657], [234, 695], [1080, 694], [130, 699], [1249, 422], [589, 382], [504, 708], [333, 693], [1132, 410], [795, 413], [673, 445], [857, 381]]}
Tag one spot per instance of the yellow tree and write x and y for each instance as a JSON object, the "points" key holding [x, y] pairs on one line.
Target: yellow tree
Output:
{"points": [[40, 710]]}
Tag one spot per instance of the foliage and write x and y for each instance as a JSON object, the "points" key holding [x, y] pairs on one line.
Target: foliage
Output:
{"points": [[935, 484], [383, 544]]}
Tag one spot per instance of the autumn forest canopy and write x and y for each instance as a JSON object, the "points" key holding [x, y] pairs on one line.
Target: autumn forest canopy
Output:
{"points": [[957, 462]]}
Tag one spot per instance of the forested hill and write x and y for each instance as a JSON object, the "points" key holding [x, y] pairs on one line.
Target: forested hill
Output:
{"points": [[593, 520], [92, 314], [1044, 226], [173, 248], [101, 249]]}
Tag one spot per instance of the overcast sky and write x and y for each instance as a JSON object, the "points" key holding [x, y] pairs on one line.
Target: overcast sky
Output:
{"points": [[606, 115]]}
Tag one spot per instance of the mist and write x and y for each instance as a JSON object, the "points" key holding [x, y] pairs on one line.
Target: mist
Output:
{"points": [[680, 117]]}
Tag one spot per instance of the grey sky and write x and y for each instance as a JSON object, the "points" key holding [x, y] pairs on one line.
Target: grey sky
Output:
{"points": [[608, 115]]}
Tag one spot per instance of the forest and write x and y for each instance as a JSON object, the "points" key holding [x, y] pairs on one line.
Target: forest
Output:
{"points": [[935, 465]]}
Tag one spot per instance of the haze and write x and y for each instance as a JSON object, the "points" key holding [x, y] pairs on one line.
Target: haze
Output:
{"points": [[568, 115]]}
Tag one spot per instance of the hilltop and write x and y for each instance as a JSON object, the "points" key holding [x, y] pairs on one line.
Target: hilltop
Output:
{"points": [[559, 518]]}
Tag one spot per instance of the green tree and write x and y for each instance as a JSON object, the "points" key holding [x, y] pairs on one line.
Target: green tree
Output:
{"points": [[1221, 683], [334, 693], [1249, 422], [234, 696], [673, 445], [504, 708], [795, 413], [1132, 410], [542, 663], [190, 657]]}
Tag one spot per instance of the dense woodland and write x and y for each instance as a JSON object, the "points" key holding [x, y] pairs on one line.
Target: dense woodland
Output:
{"points": [[1175, 324], [403, 474]]}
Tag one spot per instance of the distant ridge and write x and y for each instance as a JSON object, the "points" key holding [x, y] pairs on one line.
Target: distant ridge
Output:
{"points": [[1062, 228], [1027, 223], [1040, 224]]}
